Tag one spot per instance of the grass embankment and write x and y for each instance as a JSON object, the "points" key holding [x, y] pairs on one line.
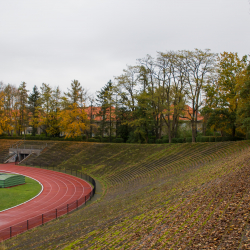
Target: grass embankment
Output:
{"points": [[10, 197], [173, 196]]}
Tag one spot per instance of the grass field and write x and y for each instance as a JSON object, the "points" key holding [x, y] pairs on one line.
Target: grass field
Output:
{"points": [[13, 196], [169, 196]]}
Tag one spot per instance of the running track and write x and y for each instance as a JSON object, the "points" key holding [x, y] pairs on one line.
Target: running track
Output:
{"points": [[58, 189]]}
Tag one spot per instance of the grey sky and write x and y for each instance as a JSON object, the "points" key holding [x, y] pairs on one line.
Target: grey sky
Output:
{"points": [[56, 41]]}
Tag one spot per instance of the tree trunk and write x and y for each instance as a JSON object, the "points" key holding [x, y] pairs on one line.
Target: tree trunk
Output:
{"points": [[233, 130], [193, 130]]}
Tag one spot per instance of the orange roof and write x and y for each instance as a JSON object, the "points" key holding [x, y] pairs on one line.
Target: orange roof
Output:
{"points": [[96, 111], [186, 114]]}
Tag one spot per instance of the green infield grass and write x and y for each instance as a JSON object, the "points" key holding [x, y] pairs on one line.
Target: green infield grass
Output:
{"points": [[10, 197]]}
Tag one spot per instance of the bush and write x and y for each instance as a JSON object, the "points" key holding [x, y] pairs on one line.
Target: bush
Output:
{"points": [[189, 139], [204, 139], [180, 140], [11, 137], [165, 140], [118, 140], [236, 138], [198, 139], [211, 138], [93, 140], [104, 139], [159, 141], [218, 139], [174, 140], [151, 141]]}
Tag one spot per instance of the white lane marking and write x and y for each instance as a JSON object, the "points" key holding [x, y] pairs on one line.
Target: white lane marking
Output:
{"points": [[27, 200]]}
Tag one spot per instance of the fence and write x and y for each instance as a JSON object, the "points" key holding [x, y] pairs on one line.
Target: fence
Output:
{"points": [[51, 215]]}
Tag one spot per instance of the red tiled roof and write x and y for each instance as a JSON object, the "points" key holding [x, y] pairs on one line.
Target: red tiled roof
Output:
{"points": [[186, 114]]}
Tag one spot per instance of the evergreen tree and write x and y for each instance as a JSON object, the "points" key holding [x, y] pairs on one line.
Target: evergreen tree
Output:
{"points": [[34, 104]]}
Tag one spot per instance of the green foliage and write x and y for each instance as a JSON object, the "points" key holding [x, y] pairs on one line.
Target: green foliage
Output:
{"points": [[204, 138], [118, 140], [165, 140], [180, 140], [218, 139], [151, 141], [188, 139], [93, 140], [212, 138], [184, 131], [105, 139], [159, 141], [174, 140]]}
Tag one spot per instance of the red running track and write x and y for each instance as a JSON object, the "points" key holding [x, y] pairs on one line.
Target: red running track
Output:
{"points": [[59, 189]]}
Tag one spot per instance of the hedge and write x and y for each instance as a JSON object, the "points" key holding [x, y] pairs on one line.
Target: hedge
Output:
{"points": [[118, 140], [159, 141], [93, 140], [165, 140]]}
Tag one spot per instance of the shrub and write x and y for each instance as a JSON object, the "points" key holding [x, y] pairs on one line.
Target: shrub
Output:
{"points": [[211, 138], [104, 139], [204, 139], [165, 140], [118, 140], [236, 138], [151, 141], [11, 137], [198, 139], [180, 140], [159, 141], [189, 139], [174, 140], [219, 138], [93, 140]]}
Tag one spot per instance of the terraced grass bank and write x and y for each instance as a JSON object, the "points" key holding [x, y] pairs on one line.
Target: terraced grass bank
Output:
{"points": [[173, 196]]}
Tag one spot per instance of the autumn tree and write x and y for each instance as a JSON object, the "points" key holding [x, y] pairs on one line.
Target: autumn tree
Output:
{"points": [[224, 94], [34, 102], [73, 121], [5, 119], [199, 65], [22, 102], [76, 94], [105, 100], [243, 88]]}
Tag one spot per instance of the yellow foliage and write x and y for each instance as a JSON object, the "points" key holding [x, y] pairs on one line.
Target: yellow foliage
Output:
{"points": [[73, 121]]}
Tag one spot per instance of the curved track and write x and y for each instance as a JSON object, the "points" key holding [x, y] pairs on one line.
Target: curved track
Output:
{"points": [[58, 189]]}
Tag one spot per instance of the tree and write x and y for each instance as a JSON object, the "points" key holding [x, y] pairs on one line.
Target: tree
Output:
{"points": [[224, 94], [243, 88], [34, 104], [199, 66], [5, 119], [105, 99], [74, 121], [23, 111], [76, 94]]}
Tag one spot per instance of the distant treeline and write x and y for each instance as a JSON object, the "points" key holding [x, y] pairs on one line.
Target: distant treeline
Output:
{"points": [[147, 102]]}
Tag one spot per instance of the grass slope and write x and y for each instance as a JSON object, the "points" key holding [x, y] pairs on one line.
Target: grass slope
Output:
{"points": [[172, 196], [10, 197]]}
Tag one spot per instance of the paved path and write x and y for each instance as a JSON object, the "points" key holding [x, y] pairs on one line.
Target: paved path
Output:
{"points": [[59, 189]]}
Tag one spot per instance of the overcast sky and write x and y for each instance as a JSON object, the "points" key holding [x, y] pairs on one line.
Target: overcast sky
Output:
{"points": [[56, 41]]}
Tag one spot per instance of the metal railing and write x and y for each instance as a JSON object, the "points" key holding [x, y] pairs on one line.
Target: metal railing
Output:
{"points": [[17, 143], [21, 227], [8, 157]]}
